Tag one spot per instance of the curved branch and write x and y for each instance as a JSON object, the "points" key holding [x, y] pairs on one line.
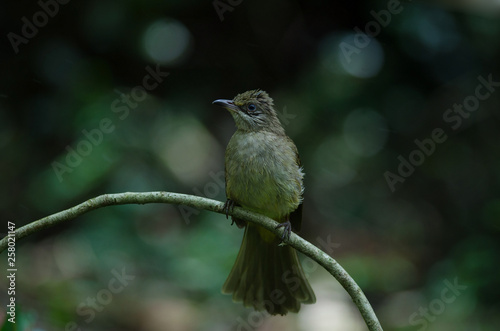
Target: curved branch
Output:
{"points": [[295, 241]]}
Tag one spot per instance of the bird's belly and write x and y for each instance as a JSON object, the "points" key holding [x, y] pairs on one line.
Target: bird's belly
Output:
{"points": [[267, 186], [260, 194]]}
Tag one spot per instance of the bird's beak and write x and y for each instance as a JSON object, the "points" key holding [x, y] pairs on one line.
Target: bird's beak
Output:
{"points": [[228, 104]]}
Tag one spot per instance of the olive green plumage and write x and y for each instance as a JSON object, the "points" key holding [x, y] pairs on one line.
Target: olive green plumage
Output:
{"points": [[263, 174]]}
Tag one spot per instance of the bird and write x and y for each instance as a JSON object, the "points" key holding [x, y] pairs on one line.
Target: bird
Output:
{"points": [[263, 174]]}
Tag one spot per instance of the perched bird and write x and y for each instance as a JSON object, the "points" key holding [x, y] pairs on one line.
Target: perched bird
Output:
{"points": [[264, 175]]}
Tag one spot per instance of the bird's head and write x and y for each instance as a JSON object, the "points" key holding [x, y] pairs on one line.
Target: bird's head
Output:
{"points": [[253, 111]]}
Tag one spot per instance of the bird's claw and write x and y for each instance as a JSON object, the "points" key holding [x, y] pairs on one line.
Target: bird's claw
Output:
{"points": [[228, 207], [286, 231]]}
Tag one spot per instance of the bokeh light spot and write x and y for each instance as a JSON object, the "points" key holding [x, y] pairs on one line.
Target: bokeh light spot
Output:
{"points": [[365, 62], [187, 149], [167, 41]]}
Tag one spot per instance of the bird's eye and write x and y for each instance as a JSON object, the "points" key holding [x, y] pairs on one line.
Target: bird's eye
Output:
{"points": [[251, 107]]}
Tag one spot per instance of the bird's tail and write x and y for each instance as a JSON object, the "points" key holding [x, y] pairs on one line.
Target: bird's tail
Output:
{"points": [[268, 276]]}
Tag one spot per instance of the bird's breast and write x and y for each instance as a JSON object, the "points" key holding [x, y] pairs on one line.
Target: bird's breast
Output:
{"points": [[262, 173]]}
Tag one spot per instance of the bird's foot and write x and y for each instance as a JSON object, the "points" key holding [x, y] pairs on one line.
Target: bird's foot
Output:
{"points": [[287, 230], [228, 207]]}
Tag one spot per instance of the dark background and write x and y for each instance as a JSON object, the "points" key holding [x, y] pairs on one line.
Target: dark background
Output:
{"points": [[350, 116]]}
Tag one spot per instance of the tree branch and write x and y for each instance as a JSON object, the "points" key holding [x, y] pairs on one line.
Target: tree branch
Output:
{"points": [[295, 241]]}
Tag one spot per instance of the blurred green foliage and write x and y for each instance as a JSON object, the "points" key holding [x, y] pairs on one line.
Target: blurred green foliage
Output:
{"points": [[351, 115]]}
